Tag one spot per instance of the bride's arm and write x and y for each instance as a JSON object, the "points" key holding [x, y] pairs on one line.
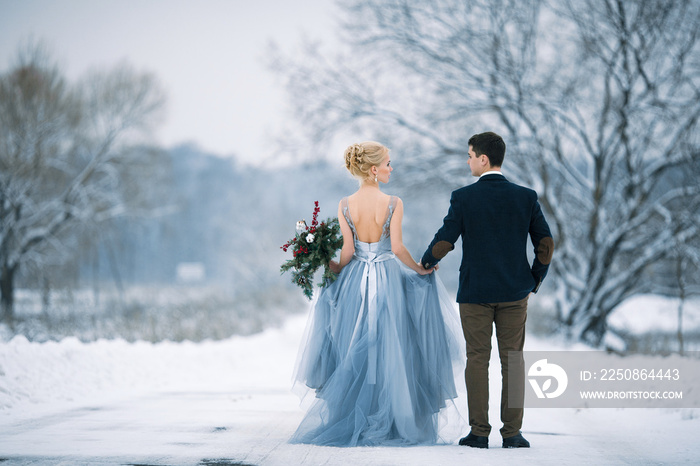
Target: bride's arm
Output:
{"points": [[348, 243], [397, 245]]}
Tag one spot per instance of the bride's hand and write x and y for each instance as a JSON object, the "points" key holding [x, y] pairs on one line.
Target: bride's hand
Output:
{"points": [[334, 266], [423, 271]]}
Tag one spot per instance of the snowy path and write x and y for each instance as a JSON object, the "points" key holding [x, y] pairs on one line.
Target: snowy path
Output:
{"points": [[227, 403]]}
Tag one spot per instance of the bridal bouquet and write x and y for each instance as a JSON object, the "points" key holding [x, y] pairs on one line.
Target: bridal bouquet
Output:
{"points": [[312, 247]]}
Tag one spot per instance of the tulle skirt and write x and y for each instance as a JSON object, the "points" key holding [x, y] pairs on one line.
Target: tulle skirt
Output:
{"points": [[381, 374]]}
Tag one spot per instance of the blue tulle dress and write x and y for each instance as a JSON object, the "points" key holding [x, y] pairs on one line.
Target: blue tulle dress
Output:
{"points": [[378, 352]]}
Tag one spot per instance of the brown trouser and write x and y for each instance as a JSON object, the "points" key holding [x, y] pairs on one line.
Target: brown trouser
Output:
{"points": [[477, 325]]}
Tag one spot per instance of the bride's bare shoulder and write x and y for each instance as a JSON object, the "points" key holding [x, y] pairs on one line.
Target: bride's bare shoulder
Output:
{"points": [[365, 199]]}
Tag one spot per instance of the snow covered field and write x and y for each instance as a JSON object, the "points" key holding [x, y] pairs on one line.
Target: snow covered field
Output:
{"points": [[229, 402]]}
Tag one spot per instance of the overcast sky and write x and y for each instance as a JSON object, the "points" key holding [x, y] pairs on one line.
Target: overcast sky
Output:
{"points": [[207, 54]]}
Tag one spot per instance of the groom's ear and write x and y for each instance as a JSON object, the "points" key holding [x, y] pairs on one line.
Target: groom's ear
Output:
{"points": [[441, 249]]}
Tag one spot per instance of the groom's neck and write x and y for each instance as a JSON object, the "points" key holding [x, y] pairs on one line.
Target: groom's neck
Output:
{"points": [[492, 171]]}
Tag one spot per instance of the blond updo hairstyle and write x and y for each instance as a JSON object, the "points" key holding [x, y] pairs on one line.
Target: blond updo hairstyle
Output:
{"points": [[360, 158]]}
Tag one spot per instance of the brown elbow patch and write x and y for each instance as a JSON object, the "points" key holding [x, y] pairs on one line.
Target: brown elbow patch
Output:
{"points": [[441, 249], [545, 250]]}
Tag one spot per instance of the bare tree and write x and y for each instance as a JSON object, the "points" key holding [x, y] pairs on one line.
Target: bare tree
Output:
{"points": [[70, 154], [598, 100]]}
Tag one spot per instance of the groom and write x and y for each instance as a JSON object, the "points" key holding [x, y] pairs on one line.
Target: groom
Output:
{"points": [[494, 218]]}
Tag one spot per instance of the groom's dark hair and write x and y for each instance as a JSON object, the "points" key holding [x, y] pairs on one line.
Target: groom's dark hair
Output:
{"points": [[491, 145]]}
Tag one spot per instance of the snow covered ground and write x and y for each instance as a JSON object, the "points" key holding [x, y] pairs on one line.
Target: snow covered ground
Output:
{"points": [[229, 402]]}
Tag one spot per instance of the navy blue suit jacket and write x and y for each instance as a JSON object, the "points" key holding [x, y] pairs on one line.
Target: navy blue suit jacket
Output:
{"points": [[494, 217]]}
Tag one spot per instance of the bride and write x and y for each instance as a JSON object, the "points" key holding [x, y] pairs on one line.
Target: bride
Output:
{"points": [[381, 339]]}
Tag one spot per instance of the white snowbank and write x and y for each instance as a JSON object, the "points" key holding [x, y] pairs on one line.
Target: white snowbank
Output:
{"points": [[654, 313], [33, 376]]}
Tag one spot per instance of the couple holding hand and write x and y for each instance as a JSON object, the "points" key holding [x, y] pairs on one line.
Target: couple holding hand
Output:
{"points": [[381, 340]]}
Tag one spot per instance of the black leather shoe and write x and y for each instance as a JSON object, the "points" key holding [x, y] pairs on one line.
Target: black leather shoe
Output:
{"points": [[517, 441], [475, 441]]}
